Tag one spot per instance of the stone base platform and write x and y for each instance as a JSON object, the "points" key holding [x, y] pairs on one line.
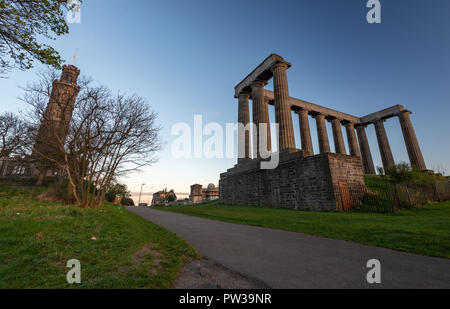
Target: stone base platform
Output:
{"points": [[299, 182]]}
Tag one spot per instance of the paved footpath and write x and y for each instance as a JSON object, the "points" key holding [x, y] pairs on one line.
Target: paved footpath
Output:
{"points": [[293, 260]]}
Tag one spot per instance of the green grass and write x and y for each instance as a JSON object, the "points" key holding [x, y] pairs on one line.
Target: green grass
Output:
{"points": [[424, 230], [38, 238], [371, 180]]}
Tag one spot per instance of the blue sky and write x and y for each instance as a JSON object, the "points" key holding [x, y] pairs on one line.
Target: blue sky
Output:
{"points": [[185, 57]]}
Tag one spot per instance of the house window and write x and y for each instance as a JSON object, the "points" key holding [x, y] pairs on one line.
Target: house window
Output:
{"points": [[18, 170]]}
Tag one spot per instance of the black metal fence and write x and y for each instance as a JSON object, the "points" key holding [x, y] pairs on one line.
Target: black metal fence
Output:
{"points": [[387, 197]]}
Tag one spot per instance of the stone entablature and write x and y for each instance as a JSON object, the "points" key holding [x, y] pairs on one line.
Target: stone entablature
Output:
{"points": [[381, 115], [261, 72], [313, 109]]}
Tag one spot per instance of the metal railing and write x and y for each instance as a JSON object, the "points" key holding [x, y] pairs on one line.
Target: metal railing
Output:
{"points": [[388, 197]]}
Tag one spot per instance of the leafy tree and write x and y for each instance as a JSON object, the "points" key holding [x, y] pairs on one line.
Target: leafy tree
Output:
{"points": [[117, 189], [127, 201], [22, 22]]}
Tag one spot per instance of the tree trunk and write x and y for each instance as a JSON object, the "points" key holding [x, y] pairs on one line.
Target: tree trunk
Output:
{"points": [[41, 178], [70, 196]]}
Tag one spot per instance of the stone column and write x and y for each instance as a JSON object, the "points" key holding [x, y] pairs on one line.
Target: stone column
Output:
{"points": [[305, 132], [244, 118], [383, 143], [283, 107], [260, 113], [352, 141], [412, 144], [322, 134], [337, 136], [366, 154]]}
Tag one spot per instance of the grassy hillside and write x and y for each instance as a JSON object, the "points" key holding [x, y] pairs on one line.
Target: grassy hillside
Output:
{"points": [[116, 248], [424, 230]]}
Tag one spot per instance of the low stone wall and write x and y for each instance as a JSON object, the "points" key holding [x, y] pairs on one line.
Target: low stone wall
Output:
{"points": [[306, 183]]}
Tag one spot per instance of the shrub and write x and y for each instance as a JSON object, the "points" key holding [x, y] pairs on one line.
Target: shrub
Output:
{"points": [[126, 201], [117, 189], [404, 173]]}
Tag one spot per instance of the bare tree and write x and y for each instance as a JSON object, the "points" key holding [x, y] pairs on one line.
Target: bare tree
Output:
{"points": [[108, 136], [12, 131]]}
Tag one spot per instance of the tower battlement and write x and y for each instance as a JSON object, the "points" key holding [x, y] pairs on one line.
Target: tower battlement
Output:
{"points": [[69, 74]]}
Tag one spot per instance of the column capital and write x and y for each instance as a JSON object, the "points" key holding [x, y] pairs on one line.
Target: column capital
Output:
{"points": [[335, 120], [404, 112], [349, 124], [258, 84], [302, 111], [244, 94], [282, 65], [319, 116]]}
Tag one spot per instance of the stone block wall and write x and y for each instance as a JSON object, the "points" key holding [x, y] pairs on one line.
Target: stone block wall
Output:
{"points": [[305, 183]]}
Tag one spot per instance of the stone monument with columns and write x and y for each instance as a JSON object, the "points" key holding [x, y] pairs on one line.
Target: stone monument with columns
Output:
{"points": [[303, 179]]}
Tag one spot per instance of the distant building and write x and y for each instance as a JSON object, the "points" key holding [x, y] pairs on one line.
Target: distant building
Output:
{"points": [[201, 195], [163, 197], [10, 167], [196, 194]]}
